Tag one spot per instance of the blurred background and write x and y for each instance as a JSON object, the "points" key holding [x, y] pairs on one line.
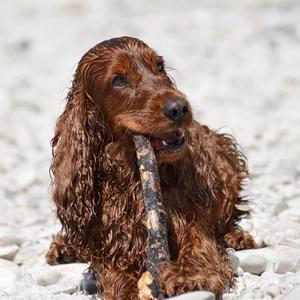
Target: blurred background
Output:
{"points": [[237, 61]]}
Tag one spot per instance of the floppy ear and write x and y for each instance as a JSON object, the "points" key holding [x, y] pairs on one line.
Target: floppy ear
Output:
{"points": [[77, 147]]}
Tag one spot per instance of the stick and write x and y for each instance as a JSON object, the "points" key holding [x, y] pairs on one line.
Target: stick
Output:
{"points": [[157, 249]]}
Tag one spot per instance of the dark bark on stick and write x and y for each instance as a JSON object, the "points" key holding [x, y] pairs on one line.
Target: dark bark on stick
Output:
{"points": [[157, 249]]}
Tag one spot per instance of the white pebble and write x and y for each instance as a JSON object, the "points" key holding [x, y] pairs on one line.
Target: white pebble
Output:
{"points": [[273, 291], [283, 266], [294, 294], [253, 263], [56, 277], [31, 254], [240, 271], [9, 252], [11, 236], [9, 276], [234, 260], [203, 295]]}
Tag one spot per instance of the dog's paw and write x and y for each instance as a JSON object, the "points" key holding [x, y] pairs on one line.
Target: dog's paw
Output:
{"points": [[59, 253], [240, 240], [178, 279]]}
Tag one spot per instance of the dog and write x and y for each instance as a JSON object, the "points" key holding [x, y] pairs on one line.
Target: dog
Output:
{"points": [[121, 87]]}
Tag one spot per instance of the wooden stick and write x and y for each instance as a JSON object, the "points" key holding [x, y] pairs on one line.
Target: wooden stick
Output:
{"points": [[157, 248]]}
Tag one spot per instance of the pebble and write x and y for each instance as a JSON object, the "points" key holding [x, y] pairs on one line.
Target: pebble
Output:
{"points": [[259, 240], [9, 252], [253, 263], [9, 273], [88, 284], [203, 295], [71, 297], [6, 263], [283, 266], [273, 291], [46, 275], [240, 272], [279, 258], [234, 259], [294, 294], [31, 253], [66, 287], [288, 259], [11, 236]]}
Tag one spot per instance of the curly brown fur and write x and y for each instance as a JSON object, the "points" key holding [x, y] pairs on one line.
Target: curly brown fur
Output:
{"points": [[97, 189]]}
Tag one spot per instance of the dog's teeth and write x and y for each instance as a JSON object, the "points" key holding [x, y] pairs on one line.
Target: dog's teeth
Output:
{"points": [[164, 143]]}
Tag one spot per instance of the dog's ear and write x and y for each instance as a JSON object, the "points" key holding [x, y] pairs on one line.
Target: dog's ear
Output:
{"points": [[77, 147]]}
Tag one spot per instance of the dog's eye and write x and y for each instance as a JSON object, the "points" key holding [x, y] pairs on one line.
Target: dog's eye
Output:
{"points": [[119, 81], [160, 67]]}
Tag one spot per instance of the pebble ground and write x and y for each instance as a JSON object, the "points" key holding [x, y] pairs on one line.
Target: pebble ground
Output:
{"points": [[238, 63]]}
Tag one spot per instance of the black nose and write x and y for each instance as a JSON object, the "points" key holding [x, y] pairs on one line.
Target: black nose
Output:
{"points": [[176, 110]]}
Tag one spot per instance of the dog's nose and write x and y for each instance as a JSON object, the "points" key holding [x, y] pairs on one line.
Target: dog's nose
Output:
{"points": [[176, 110]]}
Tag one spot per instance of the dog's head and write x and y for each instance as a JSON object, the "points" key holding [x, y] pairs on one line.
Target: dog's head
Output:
{"points": [[128, 81]]}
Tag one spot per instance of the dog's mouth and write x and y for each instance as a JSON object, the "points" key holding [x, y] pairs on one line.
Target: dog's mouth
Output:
{"points": [[168, 142]]}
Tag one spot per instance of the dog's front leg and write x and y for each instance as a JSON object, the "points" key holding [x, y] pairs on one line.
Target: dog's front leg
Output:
{"points": [[115, 284], [200, 266], [63, 251]]}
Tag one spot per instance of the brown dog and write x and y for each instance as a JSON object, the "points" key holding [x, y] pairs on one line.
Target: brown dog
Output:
{"points": [[121, 86]]}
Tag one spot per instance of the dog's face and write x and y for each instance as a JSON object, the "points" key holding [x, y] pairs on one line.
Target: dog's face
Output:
{"points": [[137, 96]]}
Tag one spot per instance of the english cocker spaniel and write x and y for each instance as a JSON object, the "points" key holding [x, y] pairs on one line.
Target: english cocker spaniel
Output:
{"points": [[121, 86]]}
